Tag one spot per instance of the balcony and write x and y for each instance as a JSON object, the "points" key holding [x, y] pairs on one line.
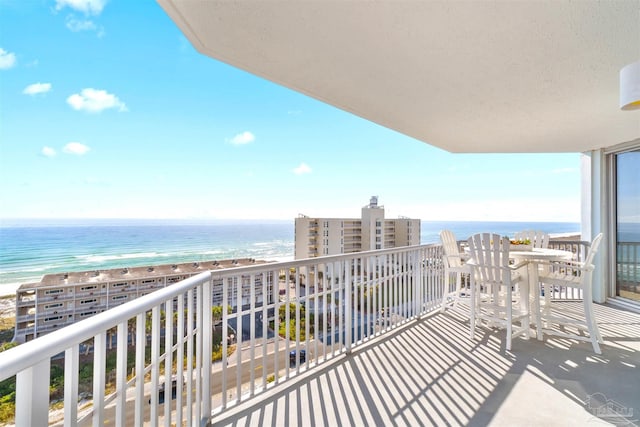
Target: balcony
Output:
{"points": [[428, 372], [377, 352]]}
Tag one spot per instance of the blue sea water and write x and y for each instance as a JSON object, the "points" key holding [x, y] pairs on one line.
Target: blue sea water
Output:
{"points": [[30, 249]]}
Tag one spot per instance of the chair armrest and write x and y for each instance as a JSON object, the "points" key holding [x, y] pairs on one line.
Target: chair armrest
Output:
{"points": [[458, 257], [519, 265], [566, 269]]}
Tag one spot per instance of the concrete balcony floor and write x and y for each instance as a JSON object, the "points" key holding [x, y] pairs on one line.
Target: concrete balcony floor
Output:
{"points": [[430, 373]]}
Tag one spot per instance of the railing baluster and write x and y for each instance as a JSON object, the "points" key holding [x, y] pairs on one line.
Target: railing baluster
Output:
{"points": [[297, 358], [99, 366], [168, 361], [207, 344], [239, 322], [32, 399], [265, 322], [141, 340], [155, 368], [252, 336], [180, 359], [276, 328], [348, 305], [189, 370], [71, 365], [121, 374], [199, 336], [225, 342]]}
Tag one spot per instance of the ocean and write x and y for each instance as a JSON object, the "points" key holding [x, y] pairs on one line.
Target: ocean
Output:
{"points": [[30, 249]]}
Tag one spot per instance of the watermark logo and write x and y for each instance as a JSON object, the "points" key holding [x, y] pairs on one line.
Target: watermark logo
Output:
{"points": [[610, 410]]}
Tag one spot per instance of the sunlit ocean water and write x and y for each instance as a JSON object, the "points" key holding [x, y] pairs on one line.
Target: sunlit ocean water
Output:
{"points": [[31, 249]]}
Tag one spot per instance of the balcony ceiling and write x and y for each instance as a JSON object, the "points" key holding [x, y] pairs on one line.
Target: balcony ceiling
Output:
{"points": [[483, 76]]}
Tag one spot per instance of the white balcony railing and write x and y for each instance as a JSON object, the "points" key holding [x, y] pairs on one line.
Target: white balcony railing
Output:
{"points": [[325, 306]]}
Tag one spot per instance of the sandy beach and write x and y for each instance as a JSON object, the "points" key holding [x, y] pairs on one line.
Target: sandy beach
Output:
{"points": [[7, 312]]}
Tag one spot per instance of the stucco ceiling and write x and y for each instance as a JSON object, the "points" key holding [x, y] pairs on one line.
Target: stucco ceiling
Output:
{"points": [[472, 76]]}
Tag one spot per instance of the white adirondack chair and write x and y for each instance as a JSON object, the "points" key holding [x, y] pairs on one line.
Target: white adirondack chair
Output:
{"points": [[494, 287], [576, 275], [454, 264], [538, 239]]}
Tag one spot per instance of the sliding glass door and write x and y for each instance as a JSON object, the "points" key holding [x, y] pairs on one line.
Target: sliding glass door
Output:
{"points": [[627, 187]]}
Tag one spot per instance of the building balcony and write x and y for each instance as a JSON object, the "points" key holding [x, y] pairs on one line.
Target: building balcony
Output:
{"points": [[372, 333]]}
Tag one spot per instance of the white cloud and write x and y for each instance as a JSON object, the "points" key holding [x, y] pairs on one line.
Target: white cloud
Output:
{"points": [[37, 88], [76, 148], [7, 59], [76, 25], [94, 101], [243, 138], [302, 169], [48, 152], [88, 7]]}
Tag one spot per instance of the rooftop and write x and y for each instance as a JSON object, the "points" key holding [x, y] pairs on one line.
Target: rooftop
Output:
{"points": [[129, 273]]}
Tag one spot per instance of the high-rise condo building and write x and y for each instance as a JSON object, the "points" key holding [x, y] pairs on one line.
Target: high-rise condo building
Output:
{"points": [[330, 236]]}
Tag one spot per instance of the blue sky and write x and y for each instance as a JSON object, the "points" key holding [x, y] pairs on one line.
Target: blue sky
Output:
{"points": [[107, 111]]}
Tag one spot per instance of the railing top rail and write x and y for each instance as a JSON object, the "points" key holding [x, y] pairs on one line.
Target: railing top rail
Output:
{"points": [[33, 352], [326, 259]]}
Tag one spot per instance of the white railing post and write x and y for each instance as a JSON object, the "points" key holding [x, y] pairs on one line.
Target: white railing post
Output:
{"points": [[348, 305], [168, 361], [121, 375], [71, 362], [141, 341], [207, 338], [32, 399], [99, 366], [200, 315]]}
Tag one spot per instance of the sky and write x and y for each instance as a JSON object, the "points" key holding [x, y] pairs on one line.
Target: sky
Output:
{"points": [[107, 111]]}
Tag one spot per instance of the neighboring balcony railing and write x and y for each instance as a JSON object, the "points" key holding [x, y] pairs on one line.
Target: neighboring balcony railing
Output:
{"points": [[170, 357], [628, 269]]}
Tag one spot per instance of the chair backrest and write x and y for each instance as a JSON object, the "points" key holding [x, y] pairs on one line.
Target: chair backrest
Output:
{"points": [[490, 254], [451, 256], [593, 249], [539, 239]]}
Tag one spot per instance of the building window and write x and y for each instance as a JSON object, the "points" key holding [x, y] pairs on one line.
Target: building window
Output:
{"points": [[378, 231], [378, 246]]}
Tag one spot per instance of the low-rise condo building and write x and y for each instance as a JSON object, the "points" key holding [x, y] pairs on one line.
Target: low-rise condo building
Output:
{"points": [[59, 300], [332, 236]]}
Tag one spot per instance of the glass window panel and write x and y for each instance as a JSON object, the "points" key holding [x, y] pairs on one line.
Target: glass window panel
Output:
{"points": [[628, 225]]}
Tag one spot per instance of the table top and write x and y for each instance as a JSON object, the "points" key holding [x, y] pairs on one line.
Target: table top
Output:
{"points": [[535, 254], [542, 254]]}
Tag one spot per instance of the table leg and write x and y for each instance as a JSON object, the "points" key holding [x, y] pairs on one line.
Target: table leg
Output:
{"points": [[472, 304], [535, 286]]}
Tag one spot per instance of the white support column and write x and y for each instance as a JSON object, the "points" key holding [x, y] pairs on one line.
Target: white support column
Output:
{"points": [[32, 399], [595, 214]]}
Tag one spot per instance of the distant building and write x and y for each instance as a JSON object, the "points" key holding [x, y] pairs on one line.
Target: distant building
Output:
{"points": [[331, 236], [59, 300]]}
